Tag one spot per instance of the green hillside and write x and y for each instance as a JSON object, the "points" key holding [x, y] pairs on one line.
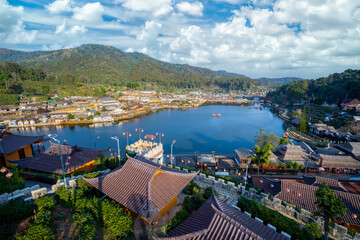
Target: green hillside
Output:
{"points": [[332, 89], [105, 64]]}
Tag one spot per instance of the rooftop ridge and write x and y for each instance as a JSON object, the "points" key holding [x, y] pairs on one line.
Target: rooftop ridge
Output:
{"points": [[233, 222]]}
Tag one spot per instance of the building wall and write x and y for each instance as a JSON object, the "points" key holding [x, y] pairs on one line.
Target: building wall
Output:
{"points": [[15, 155], [89, 167], [167, 208]]}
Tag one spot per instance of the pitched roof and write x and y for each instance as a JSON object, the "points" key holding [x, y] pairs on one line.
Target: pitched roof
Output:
{"points": [[339, 161], [303, 196], [49, 161], [243, 153], [351, 147], [217, 220], [292, 152], [11, 142], [141, 184]]}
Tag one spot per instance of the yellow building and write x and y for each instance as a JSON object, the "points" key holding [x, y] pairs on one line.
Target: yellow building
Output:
{"points": [[15, 147], [74, 159], [143, 187]]}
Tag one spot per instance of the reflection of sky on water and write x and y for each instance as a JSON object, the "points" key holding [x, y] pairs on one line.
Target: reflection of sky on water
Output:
{"points": [[194, 129]]}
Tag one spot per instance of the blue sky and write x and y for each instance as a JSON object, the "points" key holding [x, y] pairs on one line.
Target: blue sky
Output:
{"points": [[271, 38]]}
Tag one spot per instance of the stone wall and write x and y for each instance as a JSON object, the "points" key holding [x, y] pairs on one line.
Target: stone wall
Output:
{"points": [[304, 216], [29, 194]]}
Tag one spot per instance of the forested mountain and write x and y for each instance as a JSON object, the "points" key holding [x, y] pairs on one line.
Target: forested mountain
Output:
{"points": [[332, 89], [105, 64]]}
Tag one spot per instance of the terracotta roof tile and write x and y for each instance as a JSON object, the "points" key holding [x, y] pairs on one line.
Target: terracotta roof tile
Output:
{"points": [[49, 161], [303, 196], [217, 220], [140, 183], [12, 142]]}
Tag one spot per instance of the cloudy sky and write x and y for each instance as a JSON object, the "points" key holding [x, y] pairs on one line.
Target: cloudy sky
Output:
{"points": [[303, 38]]}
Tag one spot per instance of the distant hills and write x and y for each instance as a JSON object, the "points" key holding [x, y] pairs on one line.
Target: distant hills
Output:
{"points": [[105, 64]]}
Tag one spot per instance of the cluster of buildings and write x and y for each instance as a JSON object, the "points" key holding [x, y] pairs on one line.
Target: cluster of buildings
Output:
{"points": [[126, 105], [301, 193]]}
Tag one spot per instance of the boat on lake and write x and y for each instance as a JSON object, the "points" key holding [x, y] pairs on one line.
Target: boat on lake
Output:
{"points": [[218, 115]]}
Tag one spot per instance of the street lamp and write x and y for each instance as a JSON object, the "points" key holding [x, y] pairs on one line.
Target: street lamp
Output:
{"points": [[8, 176], [140, 131], [173, 142], [246, 175], [53, 137], [127, 137], [118, 146], [201, 165], [185, 161], [160, 135], [97, 138]]}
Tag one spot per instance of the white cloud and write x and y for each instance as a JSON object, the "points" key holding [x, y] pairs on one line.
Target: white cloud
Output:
{"points": [[156, 7], [299, 38], [195, 8], [67, 36], [12, 28], [89, 13], [59, 6]]}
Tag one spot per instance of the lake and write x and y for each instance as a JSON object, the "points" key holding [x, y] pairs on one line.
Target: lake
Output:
{"points": [[194, 129]]}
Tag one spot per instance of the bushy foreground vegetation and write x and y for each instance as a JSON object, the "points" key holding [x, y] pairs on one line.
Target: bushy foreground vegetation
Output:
{"points": [[191, 203], [79, 207], [16, 181]]}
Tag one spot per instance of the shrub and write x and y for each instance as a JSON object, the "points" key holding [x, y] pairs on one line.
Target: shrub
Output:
{"points": [[36, 232], [189, 189], [314, 229], [92, 175], [275, 218], [207, 192], [13, 211], [117, 222], [17, 182], [64, 195], [180, 216], [191, 204], [45, 203]]}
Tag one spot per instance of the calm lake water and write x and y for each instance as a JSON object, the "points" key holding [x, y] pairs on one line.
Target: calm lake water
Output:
{"points": [[194, 129]]}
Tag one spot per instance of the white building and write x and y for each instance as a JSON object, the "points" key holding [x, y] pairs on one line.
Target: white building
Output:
{"points": [[152, 151]]}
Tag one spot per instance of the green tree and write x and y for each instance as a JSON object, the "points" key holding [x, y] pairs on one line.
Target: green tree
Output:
{"points": [[263, 139], [70, 116], [97, 113], [303, 124], [330, 206], [263, 154]]}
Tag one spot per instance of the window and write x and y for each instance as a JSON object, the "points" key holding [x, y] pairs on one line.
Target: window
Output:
{"points": [[21, 153]]}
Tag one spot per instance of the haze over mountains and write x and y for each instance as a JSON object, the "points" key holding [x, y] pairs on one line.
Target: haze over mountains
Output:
{"points": [[99, 63]]}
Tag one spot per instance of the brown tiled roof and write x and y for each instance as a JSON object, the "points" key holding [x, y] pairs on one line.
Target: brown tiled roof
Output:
{"points": [[292, 152], [227, 163], [351, 147], [217, 220], [339, 161], [269, 185], [332, 183], [10, 142], [141, 184], [353, 187], [49, 161], [242, 153], [303, 196]]}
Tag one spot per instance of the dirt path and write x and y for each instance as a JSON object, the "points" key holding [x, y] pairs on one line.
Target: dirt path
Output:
{"points": [[63, 223]]}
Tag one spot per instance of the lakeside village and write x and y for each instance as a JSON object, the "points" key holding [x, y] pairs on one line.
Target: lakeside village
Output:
{"points": [[270, 192], [122, 105], [148, 194]]}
